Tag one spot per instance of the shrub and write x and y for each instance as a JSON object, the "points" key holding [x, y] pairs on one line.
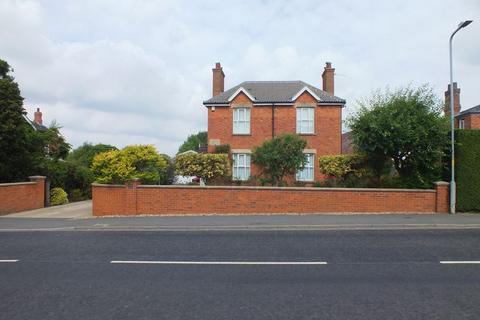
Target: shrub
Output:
{"points": [[58, 196], [340, 166], [138, 161], [468, 170], [223, 148], [68, 176], [204, 165], [280, 157], [85, 153]]}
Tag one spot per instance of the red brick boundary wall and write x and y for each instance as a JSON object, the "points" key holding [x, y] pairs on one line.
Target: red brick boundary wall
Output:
{"points": [[21, 196], [135, 199]]}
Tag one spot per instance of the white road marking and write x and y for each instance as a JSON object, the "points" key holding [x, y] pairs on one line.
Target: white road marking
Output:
{"points": [[460, 262], [222, 262], [8, 261]]}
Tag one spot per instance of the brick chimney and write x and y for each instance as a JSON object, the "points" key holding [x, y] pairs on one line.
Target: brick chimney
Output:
{"points": [[38, 117], [218, 79], [456, 100], [328, 78]]}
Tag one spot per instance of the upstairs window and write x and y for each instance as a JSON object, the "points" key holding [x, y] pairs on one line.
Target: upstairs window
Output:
{"points": [[241, 166], [305, 120], [306, 173], [241, 121]]}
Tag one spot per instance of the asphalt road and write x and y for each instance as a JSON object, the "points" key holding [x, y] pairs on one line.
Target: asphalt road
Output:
{"points": [[370, 274]]}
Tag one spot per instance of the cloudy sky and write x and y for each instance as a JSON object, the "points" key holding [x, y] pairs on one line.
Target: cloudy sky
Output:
{"points": [[130, 72]]}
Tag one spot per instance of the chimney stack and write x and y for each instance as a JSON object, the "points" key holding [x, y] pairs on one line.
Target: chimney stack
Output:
{"points": [[456, 100], [328, 78], [218, 79], [38, 117]]}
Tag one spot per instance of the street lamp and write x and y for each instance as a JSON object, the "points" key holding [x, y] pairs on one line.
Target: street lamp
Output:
{"points": [[452, 122]]}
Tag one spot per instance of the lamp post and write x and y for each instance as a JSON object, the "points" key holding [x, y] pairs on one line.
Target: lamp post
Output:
{"points": [[452, 122]]}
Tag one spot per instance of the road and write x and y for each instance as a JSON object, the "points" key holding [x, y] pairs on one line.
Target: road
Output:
{"points": [[370, 274]]}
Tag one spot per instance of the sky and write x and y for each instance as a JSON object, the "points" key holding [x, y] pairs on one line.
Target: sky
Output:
{"points": [[137, 71]]}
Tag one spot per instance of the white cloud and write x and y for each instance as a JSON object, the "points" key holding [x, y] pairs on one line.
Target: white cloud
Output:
{"points": [[128, 71]]}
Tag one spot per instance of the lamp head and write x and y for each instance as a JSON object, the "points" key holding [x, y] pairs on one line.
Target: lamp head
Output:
{"points": [[464, 23]]}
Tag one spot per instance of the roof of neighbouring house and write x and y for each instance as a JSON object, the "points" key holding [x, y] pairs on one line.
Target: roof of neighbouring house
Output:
{"points": [[35, 126], [473, 110], [347, 143], [273, 92]]}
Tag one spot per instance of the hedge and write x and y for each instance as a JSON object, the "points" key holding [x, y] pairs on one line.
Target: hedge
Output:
{"points": [[467, 158]]}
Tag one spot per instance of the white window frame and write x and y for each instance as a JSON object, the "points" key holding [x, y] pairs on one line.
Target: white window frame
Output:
{"points": [[307, 173], [305, 120], [461, 124], [241, 166], [241, 120]]}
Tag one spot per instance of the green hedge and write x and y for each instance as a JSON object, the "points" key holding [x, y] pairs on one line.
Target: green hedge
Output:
{"points": [[467, 160]]}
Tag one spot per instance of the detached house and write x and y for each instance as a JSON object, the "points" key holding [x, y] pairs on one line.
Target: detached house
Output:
{"points": [[251, 112]]}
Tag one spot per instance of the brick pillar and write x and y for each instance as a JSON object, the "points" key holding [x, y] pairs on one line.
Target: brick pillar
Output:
{"points": [[131, 196], [40, 192], [442, 198]]}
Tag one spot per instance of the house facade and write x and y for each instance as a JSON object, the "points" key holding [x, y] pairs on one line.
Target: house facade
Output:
{"points": [[467, 119], [252, 112]]}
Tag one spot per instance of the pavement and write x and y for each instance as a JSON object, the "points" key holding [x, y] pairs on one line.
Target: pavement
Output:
{"points": [[240, 274]]}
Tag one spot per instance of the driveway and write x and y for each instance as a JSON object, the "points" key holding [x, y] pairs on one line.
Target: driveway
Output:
{"points": [[75, 210]]}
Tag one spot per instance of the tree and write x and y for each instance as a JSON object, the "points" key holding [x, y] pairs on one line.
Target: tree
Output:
{"points": [[84, 154], [193, 142], [139, 161], [280, 157], [15, 149], [405, 126]]}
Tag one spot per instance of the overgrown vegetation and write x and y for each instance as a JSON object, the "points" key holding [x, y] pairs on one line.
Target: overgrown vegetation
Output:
{"points": [[207, 166], [280, 157], [406, 127], [468, 170]]}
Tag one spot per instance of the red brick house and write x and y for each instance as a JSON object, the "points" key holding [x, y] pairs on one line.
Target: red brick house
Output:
{"points": [[251, 112], [467, 119]]}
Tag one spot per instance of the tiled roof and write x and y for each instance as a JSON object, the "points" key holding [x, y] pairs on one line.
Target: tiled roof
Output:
{"points": [[35, 126], [474, 110], [273, 92]]}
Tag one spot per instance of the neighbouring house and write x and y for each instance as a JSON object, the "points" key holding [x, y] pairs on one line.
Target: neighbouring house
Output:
{"points": [[251, 112], [467, 119], [37, 123], [347, 143]]}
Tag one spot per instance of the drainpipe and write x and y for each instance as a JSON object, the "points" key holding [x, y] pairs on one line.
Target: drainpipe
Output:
{"points": [[273, 120]]}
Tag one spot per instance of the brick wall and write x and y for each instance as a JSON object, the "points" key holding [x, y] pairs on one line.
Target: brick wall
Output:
{"points": [[472, 121], [134, 199], [21, 196]]}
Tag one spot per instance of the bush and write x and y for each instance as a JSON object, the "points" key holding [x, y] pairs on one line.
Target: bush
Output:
{"points": [[467, 159], [204, 165], [138, 161], [223, 148], [280, 157], [68, 176], [58, 196], [84, 154], [340, 166]]}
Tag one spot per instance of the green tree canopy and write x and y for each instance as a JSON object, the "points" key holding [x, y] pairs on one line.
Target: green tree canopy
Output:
{"points": [[84, 154], [193, 142], [15, 149], [280, 157], [139, 161], [405, 126]]}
